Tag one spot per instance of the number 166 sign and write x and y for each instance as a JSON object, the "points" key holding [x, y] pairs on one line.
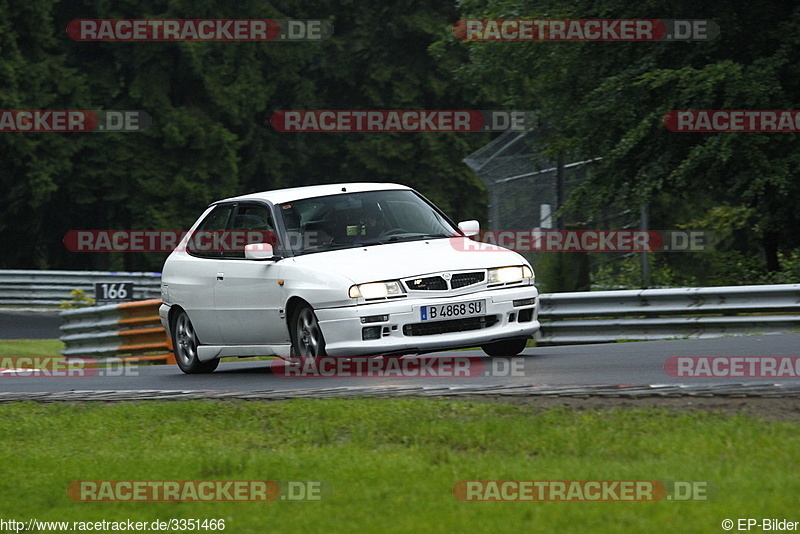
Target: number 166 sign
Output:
{"points": [[106, 292]]}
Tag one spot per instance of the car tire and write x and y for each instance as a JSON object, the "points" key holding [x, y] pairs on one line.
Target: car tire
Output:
{"points": [[185, 343], [507, 347], [308, 343]]}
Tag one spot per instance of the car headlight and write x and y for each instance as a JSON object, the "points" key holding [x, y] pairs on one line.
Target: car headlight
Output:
{"points": [[375, 290], [504, 275]]}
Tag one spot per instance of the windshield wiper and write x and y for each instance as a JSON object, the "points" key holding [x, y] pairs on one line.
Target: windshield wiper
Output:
{"points": [[384, 241], [414, 236], [336, 245], [353, 244]]}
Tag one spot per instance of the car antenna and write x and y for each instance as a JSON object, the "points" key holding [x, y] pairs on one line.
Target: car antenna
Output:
{"points": [[344, 190]]}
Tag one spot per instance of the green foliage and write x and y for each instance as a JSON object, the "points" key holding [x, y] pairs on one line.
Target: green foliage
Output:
{"points": [[78, 300], [609, 99], [735, 268], [626, 273], [710, 268], [210, 103], [561, 271]]}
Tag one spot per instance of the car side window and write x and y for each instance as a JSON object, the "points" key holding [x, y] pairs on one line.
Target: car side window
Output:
{"points": [[252, 223], [204, 240]]}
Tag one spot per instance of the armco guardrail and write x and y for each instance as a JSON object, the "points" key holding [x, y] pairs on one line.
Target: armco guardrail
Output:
{"points": [[50, 288], [133, 329], [130, 331], [650, 314]]}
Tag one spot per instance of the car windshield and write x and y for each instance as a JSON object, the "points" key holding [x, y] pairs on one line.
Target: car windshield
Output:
{"points": [[361, 219]]}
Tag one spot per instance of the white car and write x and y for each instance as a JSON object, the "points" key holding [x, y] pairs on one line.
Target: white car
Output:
{"points": [[354, 269]]}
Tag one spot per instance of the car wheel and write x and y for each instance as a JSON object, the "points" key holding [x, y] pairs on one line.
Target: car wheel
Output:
{"points": [[507, 347], [185, 343], [308, 345]]}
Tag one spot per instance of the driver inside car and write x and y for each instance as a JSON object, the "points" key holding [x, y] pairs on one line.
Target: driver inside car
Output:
{"points": [[373, 222]]}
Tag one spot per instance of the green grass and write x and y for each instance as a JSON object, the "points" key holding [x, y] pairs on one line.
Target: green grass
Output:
{"points": [[31, 347], [390, 465]]}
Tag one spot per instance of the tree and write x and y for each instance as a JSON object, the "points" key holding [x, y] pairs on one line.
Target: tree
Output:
{"points": [[609, 99], [210, 103]]}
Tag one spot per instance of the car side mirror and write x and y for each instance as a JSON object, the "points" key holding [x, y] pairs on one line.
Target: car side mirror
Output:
{"points": [[260, 252], [470, 228]]}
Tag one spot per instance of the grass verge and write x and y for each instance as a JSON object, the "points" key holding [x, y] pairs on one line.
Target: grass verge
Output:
{"points": [[31, 347], [390, 465]]}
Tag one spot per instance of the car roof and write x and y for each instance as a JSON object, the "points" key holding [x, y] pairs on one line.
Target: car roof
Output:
{"points": [[280, 196]]}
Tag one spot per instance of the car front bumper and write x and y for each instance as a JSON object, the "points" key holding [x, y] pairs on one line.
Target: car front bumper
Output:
{"points": [[403, 331]]}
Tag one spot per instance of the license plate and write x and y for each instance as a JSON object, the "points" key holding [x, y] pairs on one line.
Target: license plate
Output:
{"points": [[440, 312]]}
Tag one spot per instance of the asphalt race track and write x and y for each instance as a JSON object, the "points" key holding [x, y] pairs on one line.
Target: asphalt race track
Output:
{"points": [[615, 364], [29, 324]]}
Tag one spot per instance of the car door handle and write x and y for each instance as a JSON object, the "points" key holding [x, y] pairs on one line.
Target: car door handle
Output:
{"points": [[220, 276]]}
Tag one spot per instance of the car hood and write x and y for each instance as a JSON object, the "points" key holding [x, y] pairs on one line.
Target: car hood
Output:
{"points": [[408, 259]]}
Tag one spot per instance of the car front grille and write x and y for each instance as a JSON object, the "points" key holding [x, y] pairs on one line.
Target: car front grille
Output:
{"points": [[439, 283], [466, 279], [446, 327], [431, 283]]}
